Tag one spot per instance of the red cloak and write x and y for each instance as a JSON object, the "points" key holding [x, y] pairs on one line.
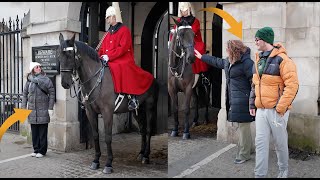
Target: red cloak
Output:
{"points": [[127, 76]]}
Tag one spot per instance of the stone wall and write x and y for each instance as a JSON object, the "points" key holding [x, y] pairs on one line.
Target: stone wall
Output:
{"points": [[296, 26], [43, 28]]}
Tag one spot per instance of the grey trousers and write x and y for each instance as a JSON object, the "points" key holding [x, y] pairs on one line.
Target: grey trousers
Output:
{"points": [[245, 141], [268, 122]]}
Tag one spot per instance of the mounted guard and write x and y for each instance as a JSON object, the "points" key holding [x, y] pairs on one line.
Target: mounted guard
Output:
{"points": [[116, 50]]}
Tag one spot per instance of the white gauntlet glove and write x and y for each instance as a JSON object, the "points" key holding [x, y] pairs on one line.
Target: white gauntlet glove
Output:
{"points": [[50, 113], [105, 57]]}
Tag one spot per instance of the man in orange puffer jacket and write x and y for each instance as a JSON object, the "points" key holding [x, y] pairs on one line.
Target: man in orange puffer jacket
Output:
{"points": [[275, 85]]}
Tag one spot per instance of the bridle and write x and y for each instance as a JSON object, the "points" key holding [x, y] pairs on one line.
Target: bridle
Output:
{"points": [[182, 61], [99, 72]]}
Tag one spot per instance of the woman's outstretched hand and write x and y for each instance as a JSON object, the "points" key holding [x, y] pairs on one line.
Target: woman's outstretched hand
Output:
{"points": [[197, 54]]}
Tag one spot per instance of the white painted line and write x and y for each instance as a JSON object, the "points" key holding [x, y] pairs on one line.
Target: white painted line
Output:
{"points": [[204, 161], [19, 157]]}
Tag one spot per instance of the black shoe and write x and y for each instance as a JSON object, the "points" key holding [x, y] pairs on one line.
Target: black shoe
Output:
{"points": [[239, 161], [133, 103]]}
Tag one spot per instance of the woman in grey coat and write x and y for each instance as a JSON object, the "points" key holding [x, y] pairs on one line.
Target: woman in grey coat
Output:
{"points": [[38, 96], [238, 72]]}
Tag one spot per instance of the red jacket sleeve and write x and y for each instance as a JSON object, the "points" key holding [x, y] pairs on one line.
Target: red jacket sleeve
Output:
{"points": [[123, 46]]}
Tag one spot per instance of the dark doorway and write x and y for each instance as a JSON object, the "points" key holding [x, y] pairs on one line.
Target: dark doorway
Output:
{"points": [[92, 17], [154, 55], [216, 74]]}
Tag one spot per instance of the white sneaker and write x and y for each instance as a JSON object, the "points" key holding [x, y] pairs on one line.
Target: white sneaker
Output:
{"points": [[39, 155], [33, 154], [283, 174]]}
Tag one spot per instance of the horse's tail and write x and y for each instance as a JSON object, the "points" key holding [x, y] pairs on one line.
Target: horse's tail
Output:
{"points": [[155, 107]]}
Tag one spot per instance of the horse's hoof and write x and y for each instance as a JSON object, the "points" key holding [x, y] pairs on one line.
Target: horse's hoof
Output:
{"points": [[186, 136], [194, 124], [107, 170], [94, 166], [140, 156], [145, 160], [174, 133]]}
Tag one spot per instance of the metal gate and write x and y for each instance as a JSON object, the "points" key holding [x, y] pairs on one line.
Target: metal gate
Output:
{"points": [[11, 69]]}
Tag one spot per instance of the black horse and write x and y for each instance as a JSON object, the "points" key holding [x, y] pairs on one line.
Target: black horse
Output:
{"points": [[181, 77], [98, 97]]}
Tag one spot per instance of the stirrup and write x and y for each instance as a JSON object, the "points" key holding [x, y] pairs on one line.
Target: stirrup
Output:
{"points": [[133, 104], [205, 80]]}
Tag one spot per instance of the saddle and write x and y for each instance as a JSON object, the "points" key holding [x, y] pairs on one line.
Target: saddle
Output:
{"points": [[133, 103]]}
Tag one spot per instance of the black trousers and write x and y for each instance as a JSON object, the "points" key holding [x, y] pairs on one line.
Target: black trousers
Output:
{"points": [[40, 138]]}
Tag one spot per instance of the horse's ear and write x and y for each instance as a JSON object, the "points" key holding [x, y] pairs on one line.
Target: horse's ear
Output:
{"points": [[61, 39], [175, 21], [72, 39]]}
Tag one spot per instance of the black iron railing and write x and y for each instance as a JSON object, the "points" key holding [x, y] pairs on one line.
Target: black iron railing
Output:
{"points": [[11, 69]]}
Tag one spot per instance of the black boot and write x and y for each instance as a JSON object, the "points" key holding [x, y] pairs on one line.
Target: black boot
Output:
{"points": [[133, 102]]}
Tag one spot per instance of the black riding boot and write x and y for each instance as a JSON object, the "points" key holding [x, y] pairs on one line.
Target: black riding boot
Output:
{"points": [[133, 102]]}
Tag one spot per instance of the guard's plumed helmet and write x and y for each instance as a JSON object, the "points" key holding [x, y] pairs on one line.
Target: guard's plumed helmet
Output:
{"points": [[114, 10], [183, 6]]}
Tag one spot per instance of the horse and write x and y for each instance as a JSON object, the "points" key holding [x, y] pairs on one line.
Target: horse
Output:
{"points": [[98, 97], [181, 77]]}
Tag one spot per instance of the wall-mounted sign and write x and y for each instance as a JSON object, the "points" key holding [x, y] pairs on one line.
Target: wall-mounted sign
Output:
{"points": [[47, 57]]}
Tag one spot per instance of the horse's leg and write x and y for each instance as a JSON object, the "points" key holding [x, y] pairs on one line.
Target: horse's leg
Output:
{"points": [[186, 134], [141, 119], [151, 117], [93, 119], [206, 116], [196, 110], [207, 105], [108, 119], [174, 107]]}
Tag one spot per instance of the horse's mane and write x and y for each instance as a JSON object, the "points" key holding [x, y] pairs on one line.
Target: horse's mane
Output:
{"points": [[84, 48]]}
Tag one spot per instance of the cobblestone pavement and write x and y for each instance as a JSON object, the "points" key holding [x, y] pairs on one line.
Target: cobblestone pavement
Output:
{"points": [[15, 159], [189, 159], [203, 156]]}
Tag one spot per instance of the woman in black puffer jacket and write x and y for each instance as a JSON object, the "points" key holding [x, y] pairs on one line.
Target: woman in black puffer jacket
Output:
{"points": [[238, 72], [38, 96]]}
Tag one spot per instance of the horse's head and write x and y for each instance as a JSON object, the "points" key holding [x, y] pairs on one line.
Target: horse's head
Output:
{"points": [[185, 40], [67, 51]]}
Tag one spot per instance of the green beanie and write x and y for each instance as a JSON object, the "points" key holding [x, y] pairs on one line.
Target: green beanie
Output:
{"points": [[266, 34]]}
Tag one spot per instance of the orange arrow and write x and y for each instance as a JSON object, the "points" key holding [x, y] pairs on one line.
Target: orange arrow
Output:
{"points": [[235, 27], [20, 114]]}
